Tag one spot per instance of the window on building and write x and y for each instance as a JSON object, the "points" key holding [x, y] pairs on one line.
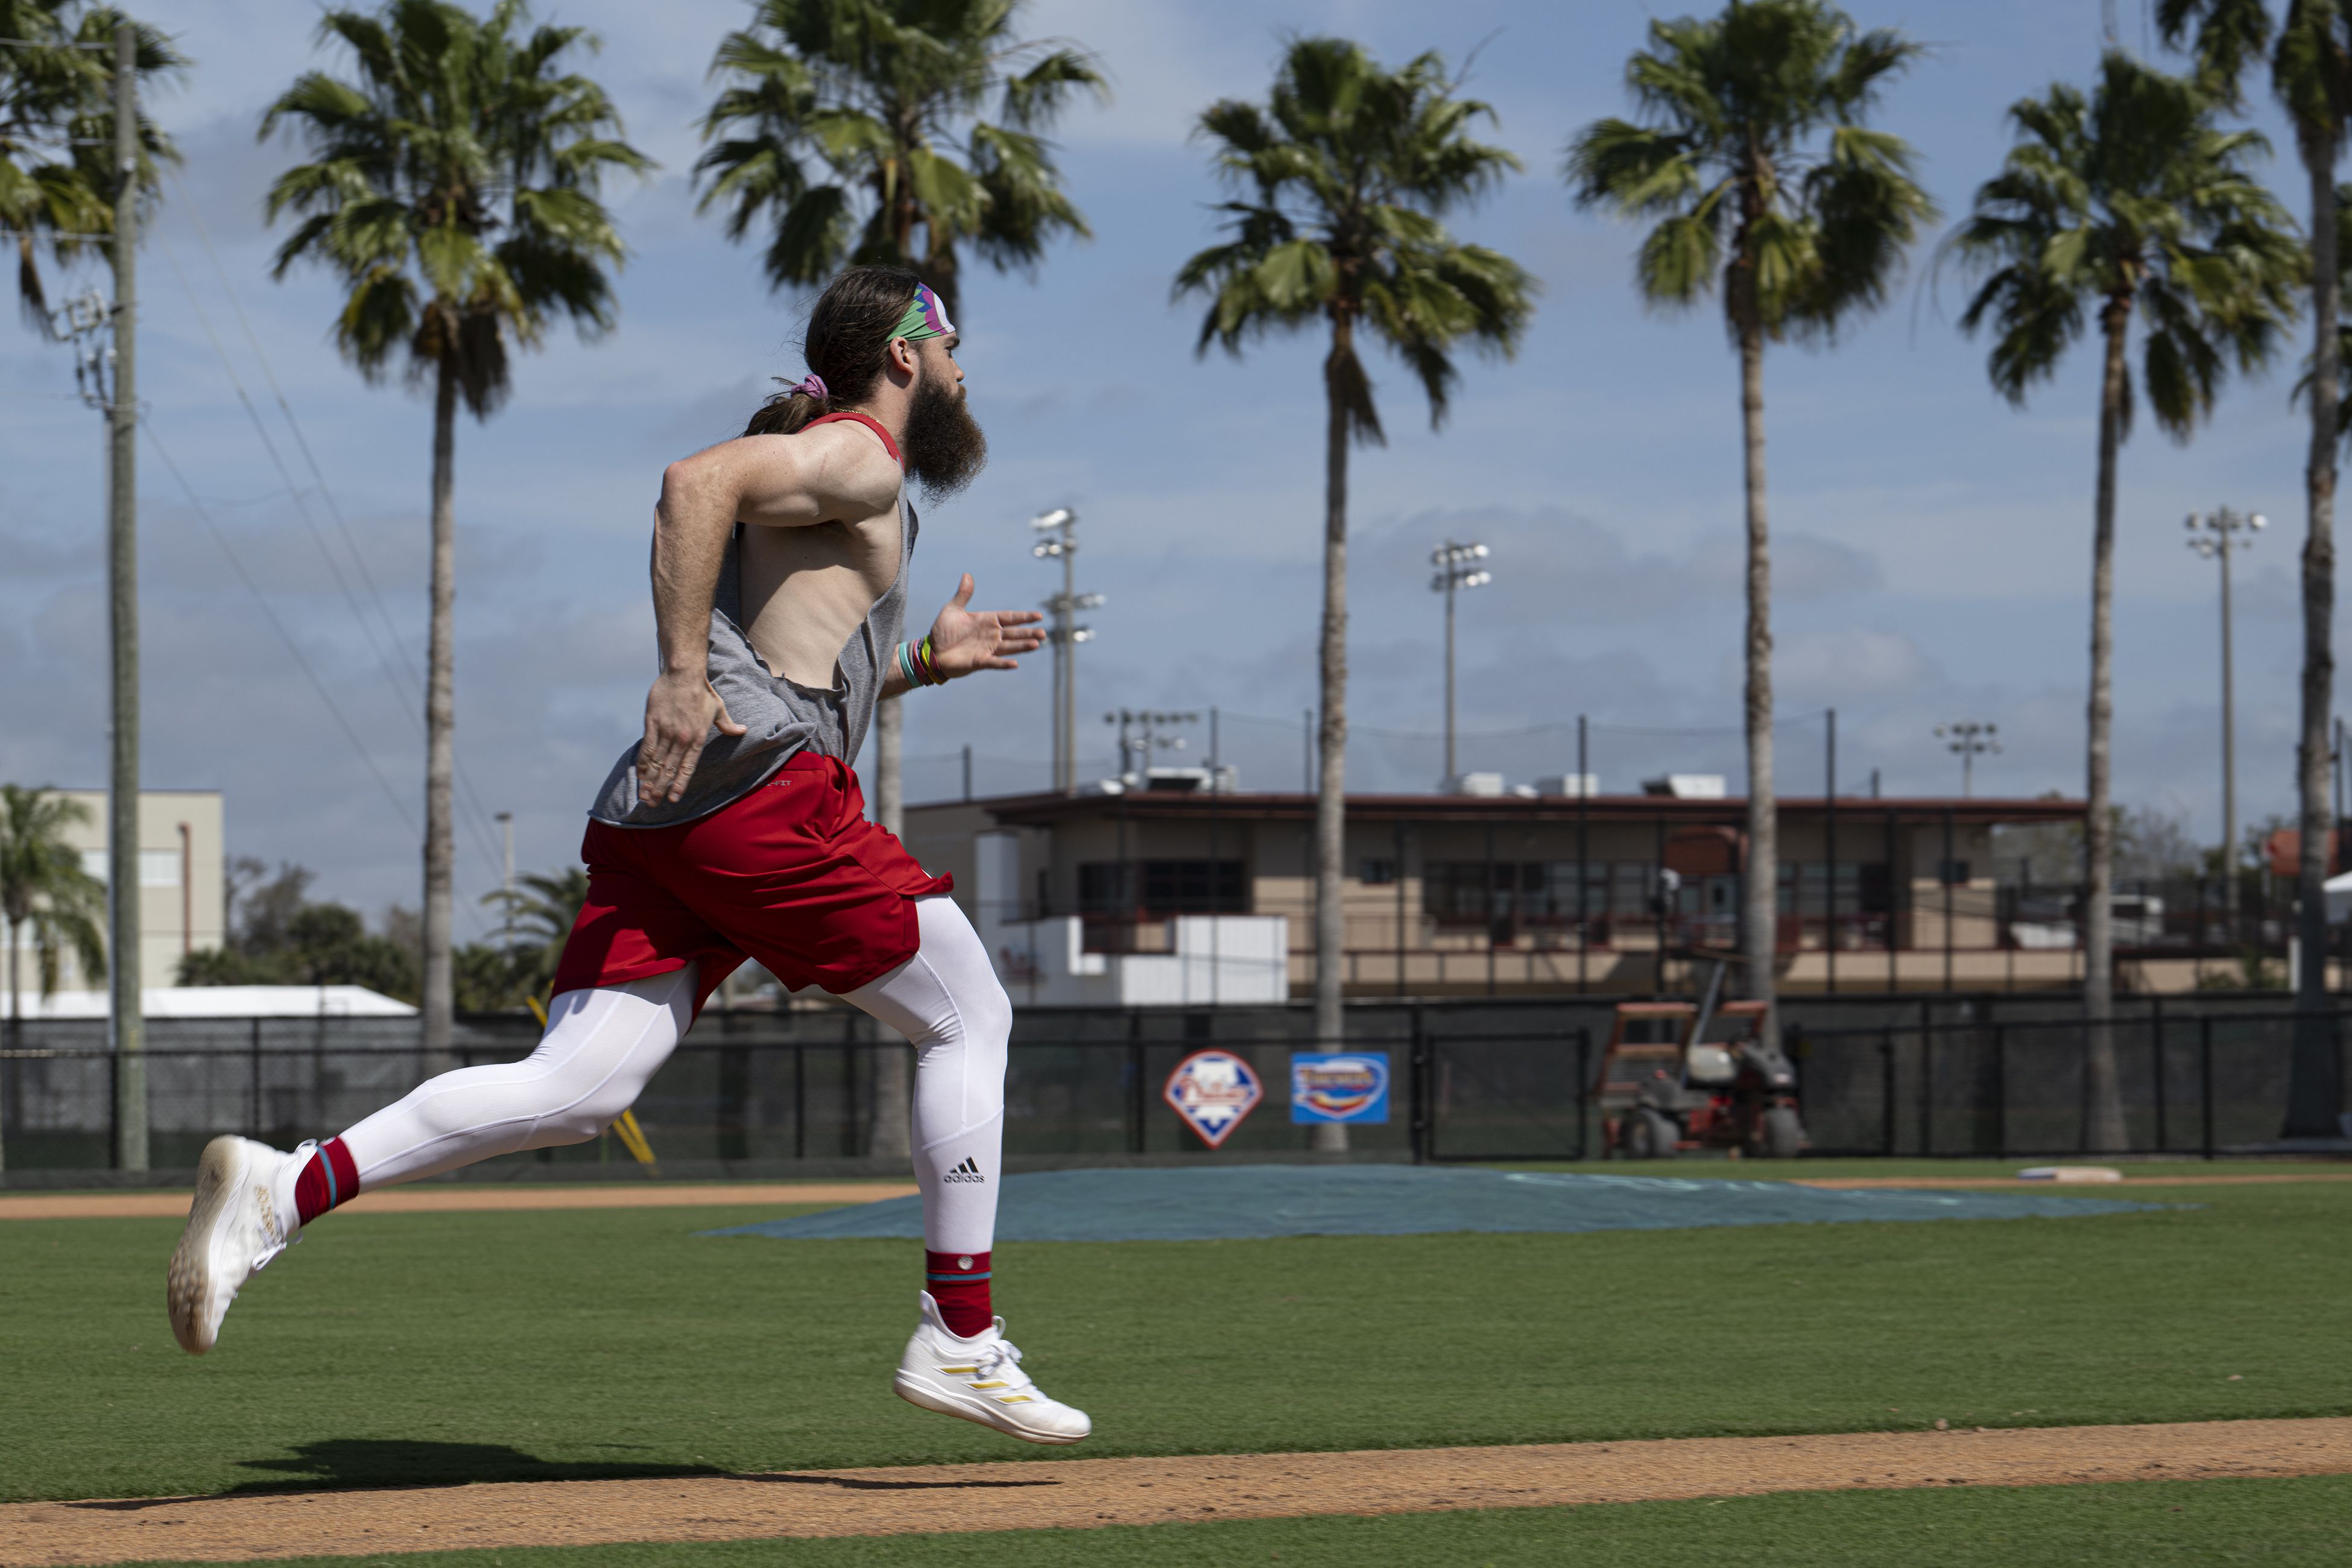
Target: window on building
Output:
{"points": [[159, 867], [1952, 873], [1166, 887], [1805, 888], [1378, 873]]}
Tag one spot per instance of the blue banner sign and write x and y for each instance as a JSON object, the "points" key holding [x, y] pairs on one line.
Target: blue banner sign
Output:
{"points": [[1339, 1086]]}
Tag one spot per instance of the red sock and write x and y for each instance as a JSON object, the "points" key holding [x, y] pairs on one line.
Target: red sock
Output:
{"points": [[958, 1281], [330, 1178]]}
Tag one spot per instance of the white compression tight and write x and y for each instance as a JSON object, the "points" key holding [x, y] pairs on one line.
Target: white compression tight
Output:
{"points": [[601, 1046]]}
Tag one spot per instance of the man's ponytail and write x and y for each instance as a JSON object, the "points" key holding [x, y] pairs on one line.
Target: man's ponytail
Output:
{"points": [[849, 332]]}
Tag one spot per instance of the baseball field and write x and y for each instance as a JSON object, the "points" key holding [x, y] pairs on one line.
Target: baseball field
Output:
{"points": [[609, 1386]]}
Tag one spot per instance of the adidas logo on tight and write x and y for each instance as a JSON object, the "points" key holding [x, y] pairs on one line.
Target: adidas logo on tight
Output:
{"points": [[967, 1172]]}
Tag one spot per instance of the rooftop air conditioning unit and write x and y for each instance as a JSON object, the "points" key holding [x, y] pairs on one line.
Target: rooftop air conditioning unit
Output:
{"points": [[1686, 786], [1572, 786], [1489, 785]]}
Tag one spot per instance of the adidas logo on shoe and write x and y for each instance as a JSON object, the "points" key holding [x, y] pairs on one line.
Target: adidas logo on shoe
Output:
{"points": [[967, 1172]]}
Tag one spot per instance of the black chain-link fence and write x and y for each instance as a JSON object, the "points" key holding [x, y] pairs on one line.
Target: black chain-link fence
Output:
{"points": [[1478, 1078]]}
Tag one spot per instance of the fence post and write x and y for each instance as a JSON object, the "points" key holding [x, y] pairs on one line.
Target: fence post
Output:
{"points": [[1886, 1089], [1416, 1066], [255, 1052], [1926, 1083], [2000, 1091], [2205, 1080], [1138, 1104], [2156, 1056], [1583, 1088], [800, 1100]]}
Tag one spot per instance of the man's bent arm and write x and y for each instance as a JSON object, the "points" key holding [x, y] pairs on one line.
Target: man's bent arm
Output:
{"points": [[775, 481]]}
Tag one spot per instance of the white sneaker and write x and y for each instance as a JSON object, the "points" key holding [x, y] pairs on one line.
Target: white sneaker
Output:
{"points": [[243, 1216], [980, 1380]]}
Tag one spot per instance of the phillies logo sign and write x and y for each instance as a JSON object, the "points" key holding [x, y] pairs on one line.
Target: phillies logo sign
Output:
{"points": [[1213, 1091]]}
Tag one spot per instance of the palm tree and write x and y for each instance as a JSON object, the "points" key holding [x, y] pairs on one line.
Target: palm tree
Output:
{"points": [[56, 131], [1343, 177], [2129, 203], [44, 891], [2310, 47], [454, 187], [1754, 155], [859, 129], [542, 910]]}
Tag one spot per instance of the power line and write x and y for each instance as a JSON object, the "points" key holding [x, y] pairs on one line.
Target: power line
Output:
{"points": [[351, 734], [359, 613], [472, 799]]}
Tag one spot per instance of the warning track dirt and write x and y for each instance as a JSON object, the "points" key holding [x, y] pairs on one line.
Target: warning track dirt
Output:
{"points": [[1088, 1493]]}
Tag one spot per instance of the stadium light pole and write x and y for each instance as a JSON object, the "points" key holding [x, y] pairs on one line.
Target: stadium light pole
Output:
{"points": [[1061, 544], [505, 881], [1969, 738], [2216, 536], [1455, 571]]}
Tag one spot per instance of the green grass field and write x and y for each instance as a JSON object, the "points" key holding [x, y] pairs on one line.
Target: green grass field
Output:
{"points": [[405, 1349]]}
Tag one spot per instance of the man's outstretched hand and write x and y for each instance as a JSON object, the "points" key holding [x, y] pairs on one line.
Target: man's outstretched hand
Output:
{"points": [[965, 640], [679, 711]]}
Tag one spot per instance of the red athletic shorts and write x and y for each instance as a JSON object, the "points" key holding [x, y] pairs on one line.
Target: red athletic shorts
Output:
{"points": [[793, 875]]}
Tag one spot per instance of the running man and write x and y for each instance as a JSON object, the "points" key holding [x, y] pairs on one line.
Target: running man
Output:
{"points": [[735, 829]]}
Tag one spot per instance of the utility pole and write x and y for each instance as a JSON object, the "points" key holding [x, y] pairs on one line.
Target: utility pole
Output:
{"points": [[1061, 525], [1455, 572], [1969, 738], [125, 959], [2215, 536]]}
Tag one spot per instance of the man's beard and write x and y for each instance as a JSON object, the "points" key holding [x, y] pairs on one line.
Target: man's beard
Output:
{"points": [[945, 448]]}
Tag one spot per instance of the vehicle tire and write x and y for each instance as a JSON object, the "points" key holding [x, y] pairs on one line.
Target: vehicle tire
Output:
{"points": [[1649, 1136], [1783, 1136]]}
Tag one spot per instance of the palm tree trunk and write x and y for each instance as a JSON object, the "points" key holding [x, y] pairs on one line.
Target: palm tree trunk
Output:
{"points": [[2103, 1109], [440, 724], [2314, 1094], [1331, 771], [1760, 913], [889, 1131]]}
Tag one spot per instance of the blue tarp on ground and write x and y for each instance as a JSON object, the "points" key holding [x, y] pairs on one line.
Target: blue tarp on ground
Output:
{"points": [[1237, 1202]]}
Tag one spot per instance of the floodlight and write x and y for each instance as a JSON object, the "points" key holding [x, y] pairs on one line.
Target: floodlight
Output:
{"points": [[1060, 517]]}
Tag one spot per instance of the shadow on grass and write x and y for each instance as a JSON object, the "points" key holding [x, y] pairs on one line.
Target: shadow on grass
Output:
{"points": [[365, 1463], [340, 1464]]}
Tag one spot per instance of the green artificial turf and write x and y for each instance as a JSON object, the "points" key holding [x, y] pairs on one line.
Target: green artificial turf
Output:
{"points": [[2130, 1525], [398, 1349]]}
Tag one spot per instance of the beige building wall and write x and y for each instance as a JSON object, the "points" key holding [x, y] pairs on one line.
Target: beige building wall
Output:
{"points": [[181, 863]]}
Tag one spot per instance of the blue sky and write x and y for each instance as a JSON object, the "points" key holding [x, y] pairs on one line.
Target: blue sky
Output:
{"points": [[1933, 543]]}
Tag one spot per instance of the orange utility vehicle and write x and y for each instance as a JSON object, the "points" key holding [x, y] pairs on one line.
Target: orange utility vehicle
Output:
{"points": [[1666, 1087]]}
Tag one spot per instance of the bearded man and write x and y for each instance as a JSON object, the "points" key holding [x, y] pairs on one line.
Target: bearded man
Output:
{"points": [[735, 829]]}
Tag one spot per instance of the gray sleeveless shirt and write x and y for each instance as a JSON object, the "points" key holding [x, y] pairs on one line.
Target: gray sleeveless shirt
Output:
{"points": [[780, 717]]}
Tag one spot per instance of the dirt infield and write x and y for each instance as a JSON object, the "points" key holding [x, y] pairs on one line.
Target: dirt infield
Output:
{"points": [[452, 1200], [1087, 1493]]}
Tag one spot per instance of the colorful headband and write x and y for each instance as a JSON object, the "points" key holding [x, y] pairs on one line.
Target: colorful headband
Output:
{"points": [[925, 317], [812, 384]]}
